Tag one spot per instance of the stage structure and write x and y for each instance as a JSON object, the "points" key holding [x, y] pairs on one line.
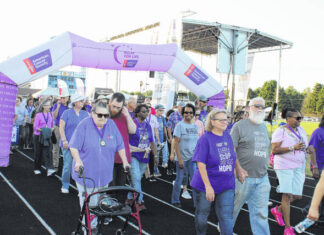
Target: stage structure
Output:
{"points": [[70, 49]]}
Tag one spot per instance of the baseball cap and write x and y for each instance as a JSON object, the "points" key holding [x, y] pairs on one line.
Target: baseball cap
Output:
{"points": [[159, 106]]}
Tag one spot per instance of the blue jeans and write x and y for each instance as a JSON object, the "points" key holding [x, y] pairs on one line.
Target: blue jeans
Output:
{"points": [[67, 168], [188, 168], [137, 170], [224, 206], [256, 192]]}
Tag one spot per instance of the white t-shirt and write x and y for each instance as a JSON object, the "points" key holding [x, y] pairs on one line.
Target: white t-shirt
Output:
{"points": [[154, 123]]}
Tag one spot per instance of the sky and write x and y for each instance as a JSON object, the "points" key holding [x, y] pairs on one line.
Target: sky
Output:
{"points": [[26, 24]]}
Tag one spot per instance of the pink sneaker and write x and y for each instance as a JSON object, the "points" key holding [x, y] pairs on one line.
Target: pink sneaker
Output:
{"points": [[278, 216], [289, 231]]}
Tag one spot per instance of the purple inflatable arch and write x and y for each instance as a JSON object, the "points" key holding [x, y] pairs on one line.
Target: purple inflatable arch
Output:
{"points": [[70, 49]]}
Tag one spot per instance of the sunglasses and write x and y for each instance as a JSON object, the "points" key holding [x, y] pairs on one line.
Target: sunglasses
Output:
{"points": [[197, 114], [259, 106], [100, 115], [298, 118], [188, 112], [221, 120]]}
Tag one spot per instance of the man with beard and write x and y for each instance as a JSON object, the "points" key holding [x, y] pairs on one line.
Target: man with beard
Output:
{"points": [[251, 143], [125, 124]]}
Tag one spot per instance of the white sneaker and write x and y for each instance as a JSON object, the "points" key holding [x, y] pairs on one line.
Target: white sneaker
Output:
{"points": [[186, 195], [64, 190], [165, 165], [50, 172], [37, 172], [270, 203]]}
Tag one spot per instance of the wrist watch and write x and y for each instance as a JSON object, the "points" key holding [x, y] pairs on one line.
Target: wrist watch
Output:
{"points": [[291, 148]]}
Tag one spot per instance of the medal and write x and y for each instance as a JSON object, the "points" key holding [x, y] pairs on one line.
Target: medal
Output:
{"points": [[102, 143]]}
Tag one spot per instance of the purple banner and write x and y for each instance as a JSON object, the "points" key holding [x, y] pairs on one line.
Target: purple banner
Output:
{"points": [[196, 75], [39, 62], [8, 93], [217, 101]]}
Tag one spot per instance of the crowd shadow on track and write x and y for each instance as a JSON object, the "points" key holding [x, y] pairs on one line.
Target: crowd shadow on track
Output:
{"points": [[61, 211]]}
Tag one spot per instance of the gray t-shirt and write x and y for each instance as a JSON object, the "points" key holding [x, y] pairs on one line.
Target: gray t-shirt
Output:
{"points": [[252, 147], [188, 134]]}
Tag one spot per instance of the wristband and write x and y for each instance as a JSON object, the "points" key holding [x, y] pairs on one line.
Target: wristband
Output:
{"points": [[314, 167], [291, 148]]}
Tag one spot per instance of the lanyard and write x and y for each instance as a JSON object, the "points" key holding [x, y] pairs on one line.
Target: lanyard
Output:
{"points": [[29, 108], [294, 132], [45, 119], [101, 133]]}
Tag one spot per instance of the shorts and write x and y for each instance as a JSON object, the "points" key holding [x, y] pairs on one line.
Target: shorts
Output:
{"points": [[291, 181]]}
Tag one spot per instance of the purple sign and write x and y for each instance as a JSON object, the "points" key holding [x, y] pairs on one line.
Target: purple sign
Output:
{"points": [[126, 56], [8, 93], [39, 62], [196, 75], [217, 101]]}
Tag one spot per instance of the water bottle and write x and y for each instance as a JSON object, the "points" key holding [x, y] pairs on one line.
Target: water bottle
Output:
{"points": [[305, 224]]}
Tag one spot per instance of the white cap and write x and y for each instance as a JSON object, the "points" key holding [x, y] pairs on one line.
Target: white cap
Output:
{"points": [[76, 97]]}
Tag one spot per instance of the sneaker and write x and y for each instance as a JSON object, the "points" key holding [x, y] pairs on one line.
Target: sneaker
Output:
{"points": [[169, 172], [278, 216], [152, 179], [289, 231], [50, 172], [107, 220], [177, 204], [141, 207], [186, 195], [165, 165], [37, 172], [270, 203], [64, 190], [157, 174]]}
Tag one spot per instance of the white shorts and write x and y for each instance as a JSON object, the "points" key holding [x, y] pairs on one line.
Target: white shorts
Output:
{"points": [[291, 181]]}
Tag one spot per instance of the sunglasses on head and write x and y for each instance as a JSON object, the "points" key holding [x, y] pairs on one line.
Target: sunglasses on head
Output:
{"points": [[188, 112], [100, 115]]}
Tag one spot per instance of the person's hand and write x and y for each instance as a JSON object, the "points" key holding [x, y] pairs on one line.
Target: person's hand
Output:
{"points": [[159, 143], [77, 166], [171, 157], [65, 144], [181, 165], [315, 173], [39, 130], [147, 150], [313, 214], [125, 111], [299, 146], [241, 174], [210, 194], [126, 166]]}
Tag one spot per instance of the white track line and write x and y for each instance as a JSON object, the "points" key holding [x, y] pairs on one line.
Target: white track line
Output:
{"points": [[72, 186], [40, 219]]}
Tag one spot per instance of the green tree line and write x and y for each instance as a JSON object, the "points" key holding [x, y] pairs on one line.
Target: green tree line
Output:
{"points": [[310, 101]]}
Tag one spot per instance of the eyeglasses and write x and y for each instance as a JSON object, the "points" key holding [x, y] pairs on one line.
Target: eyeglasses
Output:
{"points": [[259, 106], [299, 118], [188, 112], [221, 120], [100, 115]]}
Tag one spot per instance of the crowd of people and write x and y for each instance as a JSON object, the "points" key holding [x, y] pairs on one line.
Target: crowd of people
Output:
{"points": [[221, 160]]}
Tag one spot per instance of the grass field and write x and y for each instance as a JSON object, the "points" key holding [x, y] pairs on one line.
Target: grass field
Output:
{"points": [[309, 128]]}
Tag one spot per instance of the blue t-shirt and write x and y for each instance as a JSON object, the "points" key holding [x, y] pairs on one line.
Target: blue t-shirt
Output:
{"points": [[98, 160], [72, 121], [141, 139], [188, 134], [162, 124], [21, 112], [217, 152]]}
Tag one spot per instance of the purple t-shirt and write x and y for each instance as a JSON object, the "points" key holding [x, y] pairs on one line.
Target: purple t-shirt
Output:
{"points": [[62, 108], [174, 119], [88, 108], [141, 139], [98, 160], [317, 141], [217, 152], [71, 122], [203, 116]]}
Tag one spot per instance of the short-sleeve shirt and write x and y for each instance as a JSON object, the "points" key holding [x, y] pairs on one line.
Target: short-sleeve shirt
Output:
{"points": [[121, 123], [252, 147], [162, 124], [174, 119], [203, 116], [98, 160], [21, 113], [141, 139], [201, 127], [317, 141], [293, 159], [188, 135], [88, 108], [217, 153], [62, 108], [72, 120], [151, 119]]}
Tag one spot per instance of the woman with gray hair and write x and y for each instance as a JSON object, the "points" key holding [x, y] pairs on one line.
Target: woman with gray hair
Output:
{"points": [[214, 179]]}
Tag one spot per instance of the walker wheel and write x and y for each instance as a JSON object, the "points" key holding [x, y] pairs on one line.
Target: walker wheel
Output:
{"points": [[120, 232]]}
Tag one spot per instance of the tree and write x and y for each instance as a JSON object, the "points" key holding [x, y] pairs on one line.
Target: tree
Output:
{"points": [[268, 92], [320, 102], [313, 99], [294, 97]]}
